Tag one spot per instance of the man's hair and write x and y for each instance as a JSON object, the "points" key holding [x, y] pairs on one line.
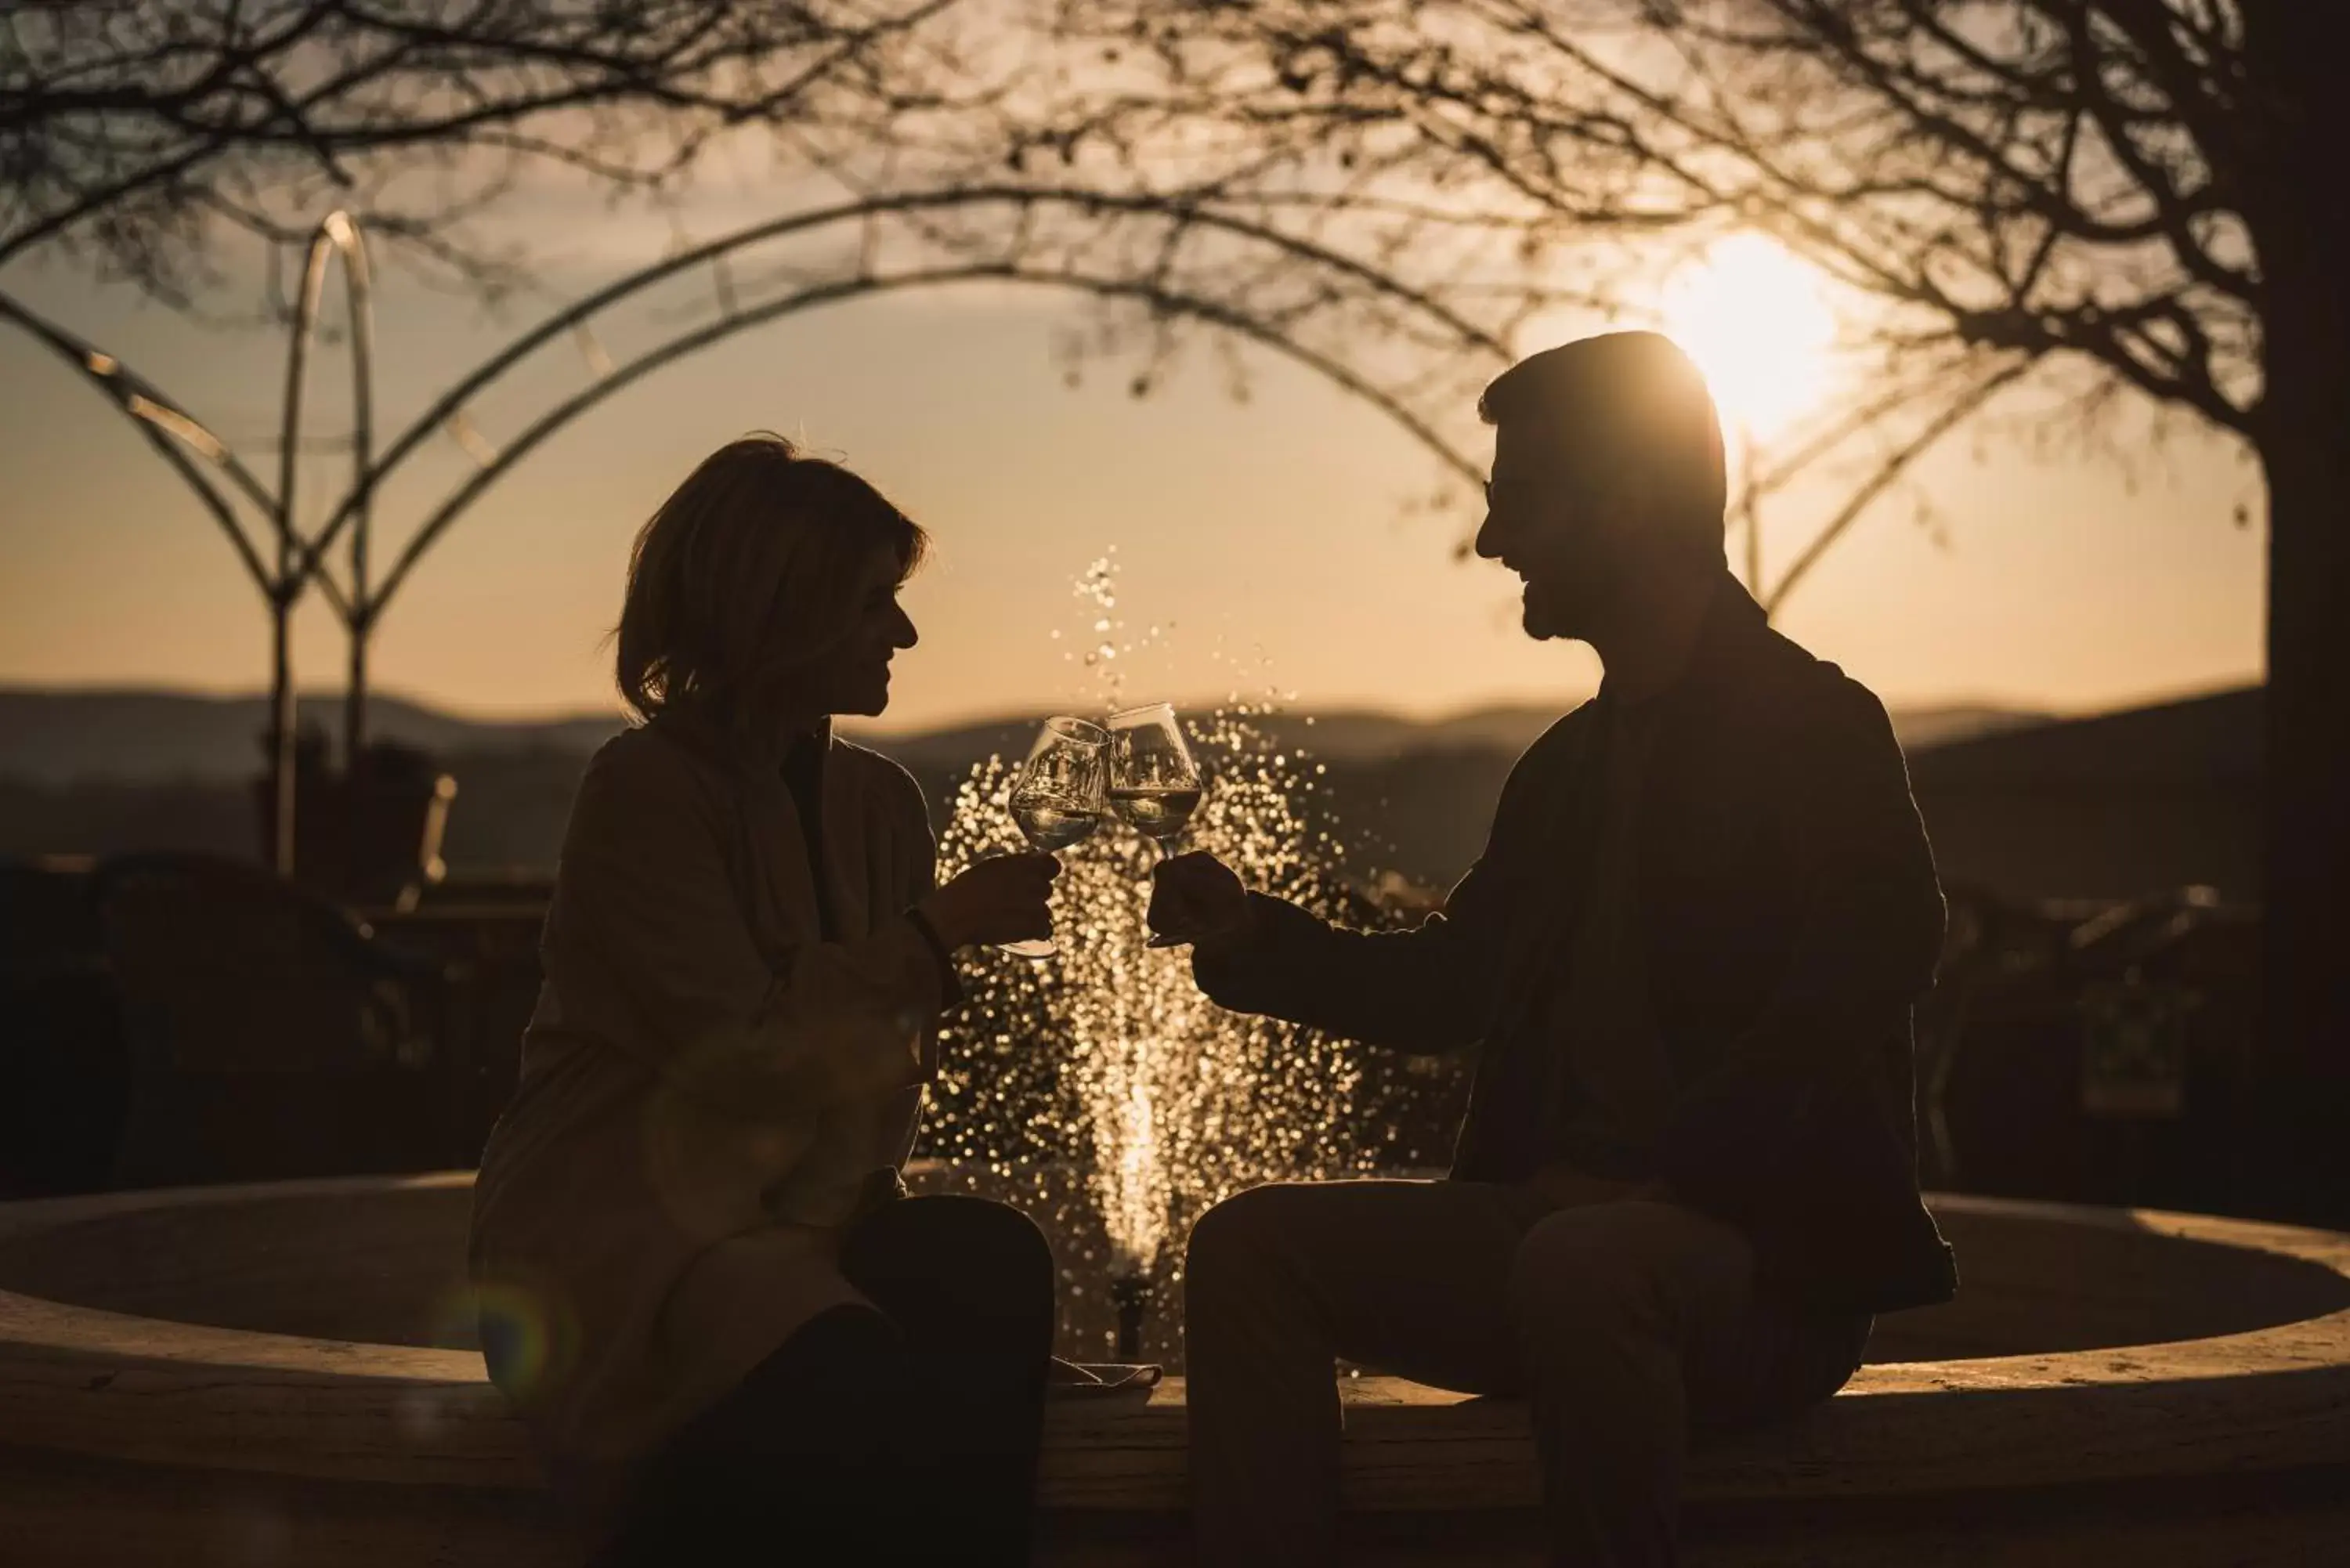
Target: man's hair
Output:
{"points": [[749, 567], [1622, 399]]}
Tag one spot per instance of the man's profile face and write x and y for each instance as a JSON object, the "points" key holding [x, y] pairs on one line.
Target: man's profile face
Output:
{"points": [[1547, 521]]}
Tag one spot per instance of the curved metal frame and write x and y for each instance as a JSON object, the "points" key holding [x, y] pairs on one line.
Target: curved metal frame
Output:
{"points": [[337, 237], [300, 561], [165, 426], [452, 404], [613, 380], [168, 427], [174, 433]]}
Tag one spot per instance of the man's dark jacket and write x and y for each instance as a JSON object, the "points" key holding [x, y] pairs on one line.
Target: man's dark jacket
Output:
{"points": [[1789, 918]]}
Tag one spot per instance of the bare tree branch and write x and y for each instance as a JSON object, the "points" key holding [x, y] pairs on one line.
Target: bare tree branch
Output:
{"points": [[132, 132]]}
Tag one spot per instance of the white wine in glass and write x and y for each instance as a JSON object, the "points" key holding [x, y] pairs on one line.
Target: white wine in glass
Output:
{"points": [[1154, 784], [1158, 811], [1052, 826], [1057, 798]]}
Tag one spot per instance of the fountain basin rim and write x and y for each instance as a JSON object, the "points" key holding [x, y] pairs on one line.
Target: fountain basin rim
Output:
{"points": [[154, 1391]]}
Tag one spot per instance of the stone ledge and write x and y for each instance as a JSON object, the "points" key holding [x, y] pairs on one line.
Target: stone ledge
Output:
{"points": [[77, 1380]]}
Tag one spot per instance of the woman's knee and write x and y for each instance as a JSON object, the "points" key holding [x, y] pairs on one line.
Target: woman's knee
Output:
{"points": [[1012, 1246], [956, 1224], [988, 1255]]}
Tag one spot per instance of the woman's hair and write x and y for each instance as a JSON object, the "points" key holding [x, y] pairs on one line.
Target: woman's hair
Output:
{"points": [[749, 568]]}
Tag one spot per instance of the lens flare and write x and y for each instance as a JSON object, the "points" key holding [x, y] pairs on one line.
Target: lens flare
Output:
{"points": [[527, 1339]]}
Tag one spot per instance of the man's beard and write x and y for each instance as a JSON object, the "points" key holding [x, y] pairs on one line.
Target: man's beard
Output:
{"points": [[1558, 611]]}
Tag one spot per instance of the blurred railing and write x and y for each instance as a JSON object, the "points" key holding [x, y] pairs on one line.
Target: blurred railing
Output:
{"points": [[2084, 1051]]}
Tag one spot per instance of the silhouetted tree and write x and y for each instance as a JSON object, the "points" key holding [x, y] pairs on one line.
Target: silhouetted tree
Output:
{"points": [[2055, 206], [135, 133], [2088, 197]]}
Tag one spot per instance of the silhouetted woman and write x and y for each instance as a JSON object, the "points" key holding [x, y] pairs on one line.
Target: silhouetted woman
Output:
{"points": [[733, 1336]]}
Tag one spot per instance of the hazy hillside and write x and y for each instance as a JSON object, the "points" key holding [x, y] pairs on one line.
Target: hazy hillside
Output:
{"points": [[98, 773], [144, 736], [2119, 805], [132, 736]]}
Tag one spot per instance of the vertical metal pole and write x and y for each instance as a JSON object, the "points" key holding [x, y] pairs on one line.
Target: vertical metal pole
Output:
{"points": [[1751, 504], [1754, 548], [282, 768], [355, 699], [358, 298], [356, 788], [289, 436]]}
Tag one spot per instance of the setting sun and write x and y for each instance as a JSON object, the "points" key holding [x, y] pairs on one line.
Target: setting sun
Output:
{"points": [[1757, 322]]}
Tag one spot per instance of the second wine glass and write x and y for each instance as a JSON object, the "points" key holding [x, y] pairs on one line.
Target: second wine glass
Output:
{"points": [[1154, 783]]}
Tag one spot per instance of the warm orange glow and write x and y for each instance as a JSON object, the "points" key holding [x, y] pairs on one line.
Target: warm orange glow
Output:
{"points": [[1757, 322]]}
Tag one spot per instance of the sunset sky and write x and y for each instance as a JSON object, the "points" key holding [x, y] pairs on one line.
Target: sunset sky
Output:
{"points": [[1268, 540]]}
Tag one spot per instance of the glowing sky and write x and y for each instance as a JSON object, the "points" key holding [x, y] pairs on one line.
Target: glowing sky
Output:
{"points": [[1758, 324], [1267, 533]]}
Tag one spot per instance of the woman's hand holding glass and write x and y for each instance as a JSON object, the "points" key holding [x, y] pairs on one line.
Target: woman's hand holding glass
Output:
{"points": [[996, 900]]}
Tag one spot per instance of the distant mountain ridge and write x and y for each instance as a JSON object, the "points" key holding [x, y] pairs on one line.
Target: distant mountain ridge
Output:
{"points": [[2112, 805], [153, 736], [149, 736]]}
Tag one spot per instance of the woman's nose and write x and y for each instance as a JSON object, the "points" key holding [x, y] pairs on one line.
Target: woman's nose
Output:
{"points": [[903, 634]]}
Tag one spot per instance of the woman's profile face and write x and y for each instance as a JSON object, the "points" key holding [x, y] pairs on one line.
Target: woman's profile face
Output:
{"points": [[852, 676]]}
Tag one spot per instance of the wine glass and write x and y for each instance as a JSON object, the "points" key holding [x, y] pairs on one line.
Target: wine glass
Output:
{"points": [[1056, 799], [1154, 784]]}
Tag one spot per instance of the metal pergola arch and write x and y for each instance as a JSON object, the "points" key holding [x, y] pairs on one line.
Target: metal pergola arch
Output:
{"points": [[176, 434]]}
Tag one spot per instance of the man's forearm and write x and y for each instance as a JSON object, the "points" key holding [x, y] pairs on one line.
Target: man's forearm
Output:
{"points": [[1412, 991]]}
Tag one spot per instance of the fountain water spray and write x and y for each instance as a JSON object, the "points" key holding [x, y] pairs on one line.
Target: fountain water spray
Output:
{"points": [[1099, 1088]]}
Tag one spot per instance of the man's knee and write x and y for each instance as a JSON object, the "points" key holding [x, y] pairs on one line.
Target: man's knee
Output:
{"points": [[1232, 1243], [1627, 1275], [1584, 1275]]}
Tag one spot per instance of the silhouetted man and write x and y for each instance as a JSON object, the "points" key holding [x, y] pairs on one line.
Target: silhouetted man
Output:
{"points": [[1687, 958]]}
